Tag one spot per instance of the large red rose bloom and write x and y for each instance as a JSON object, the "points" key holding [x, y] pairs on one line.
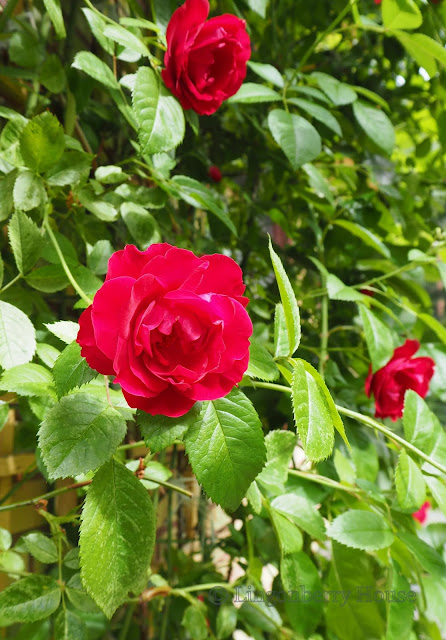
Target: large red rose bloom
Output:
{"points": [[205, 61], [390, 383], [170, 326]]}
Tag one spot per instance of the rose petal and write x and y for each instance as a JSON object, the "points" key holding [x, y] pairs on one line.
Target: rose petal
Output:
{"points": [[90, 351]]}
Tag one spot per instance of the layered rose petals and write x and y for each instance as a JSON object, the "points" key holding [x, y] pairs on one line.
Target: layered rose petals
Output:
{"points": [[205, 61], [170, 326], [390, 383]]}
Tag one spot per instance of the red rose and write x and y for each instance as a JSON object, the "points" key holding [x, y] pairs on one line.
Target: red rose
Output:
{"points": [[171, 327], [390, 383], [421, 514], [205, 61], [215, 173]]}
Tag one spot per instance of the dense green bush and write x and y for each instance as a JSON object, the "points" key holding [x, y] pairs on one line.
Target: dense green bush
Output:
{"points": [[335, 146]]}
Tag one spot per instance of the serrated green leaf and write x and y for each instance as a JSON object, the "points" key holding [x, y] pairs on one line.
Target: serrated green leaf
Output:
{"points": [[29, 191], [253, 93], [378, 337], [6, 195], [49, 278], [17, 337], [52, 74], [95, 68], [194, 621], [141, 224], [72, 168], [56, 16], [254, 497], [28, 380], [47, 353], [312, 415], [297, 138], [318, 182], [5, 539], [424, 554], [117, 536], [42, 142], [65, 330], [160, 432], [401, 14], [279, 450], [41, 547], [261, 363], [267, 72], [288, 534], [126, 38], [69, 626], [361, 530], [71, 370], [281, 341], [226, 448], [296, 570], [76, 593], [79, 434], [367, 236], [289, 302], [409, 482], [102, 209], [338, 92], [197, 195], [97, 25], [12, 563], [301, 512], [32, 598], [159, 114], [376, 125], [321, 114], [26, 241], [400, 615]]}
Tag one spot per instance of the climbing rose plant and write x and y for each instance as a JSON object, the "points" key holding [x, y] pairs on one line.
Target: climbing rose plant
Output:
{"points": [[222, 340]]}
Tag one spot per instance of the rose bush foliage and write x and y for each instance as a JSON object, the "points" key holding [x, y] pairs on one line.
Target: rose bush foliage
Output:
{"points": [[213, 450]]}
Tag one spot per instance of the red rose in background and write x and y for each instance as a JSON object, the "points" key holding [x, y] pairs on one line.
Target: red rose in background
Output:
{"points": [[390, 383], [215, 173], [205, 61], [421, 514], [170, 326]]}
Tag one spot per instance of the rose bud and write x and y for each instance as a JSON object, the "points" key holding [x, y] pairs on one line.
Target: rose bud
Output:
{"points": [[215, 173], [205, 61], [390, 383], [171, 327], [421, 514], [367, 292]]}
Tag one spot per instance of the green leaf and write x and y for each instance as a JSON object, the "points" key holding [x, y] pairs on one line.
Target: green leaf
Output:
{"points": [[226, 621], [279, 450], [28, 380], [433, 324], [25, 49], [400, 615], [42, 142], [338, 92], [409, 482], [97, 26], [52, 74], [194, 622], [336, 418], [32, 598], [73, 167], [6, 195], [197, 195], [281, 342], [401, 14], [297, 570], [318, 182], [142, 225], [297, 138], [438, 490], [126, 38], [97, 259], [117, 536], [95, 68], [267, 72], [56, 16], [359, 617], [361, 530], [12, 563], [79, 434], [29, 191], [159, 114], [376, 125], [41, 547], [254, 497], [110, 174], [252, 93], [71, 370], [76, 593], [48, 279], [312, 415], [289, 302], [367, 236], [5, 539], [378, 337], [301, 512], [261, 363], [226, 448], [319, 113], [259, 6], [424, 554], [65, 330], [17, 337], [160, 432], [288, 534], [69, 626], [26, 241]]}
